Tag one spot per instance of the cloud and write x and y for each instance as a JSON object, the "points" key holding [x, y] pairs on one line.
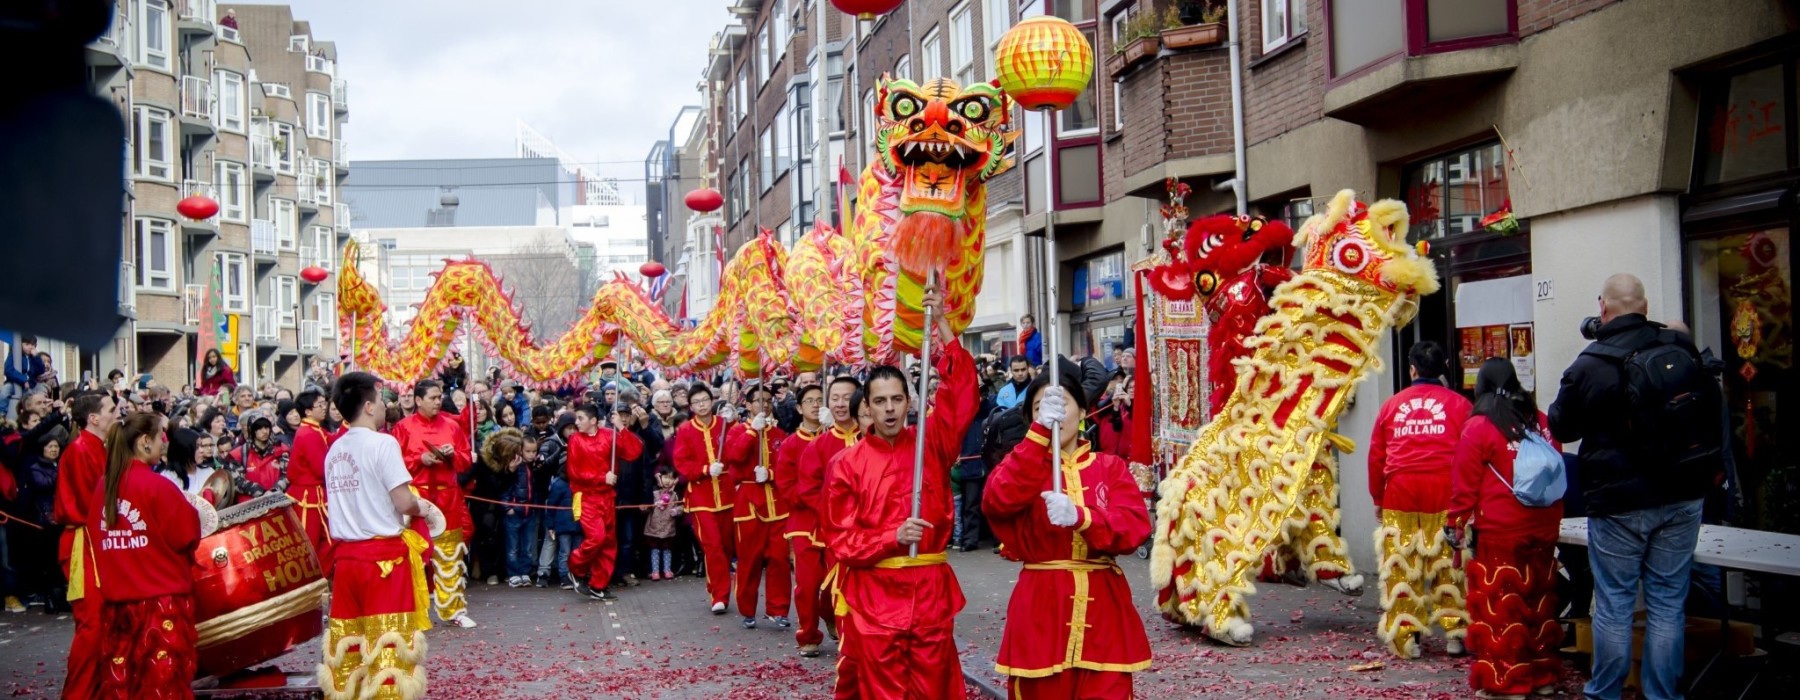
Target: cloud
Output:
{"points": [[449, 79]]}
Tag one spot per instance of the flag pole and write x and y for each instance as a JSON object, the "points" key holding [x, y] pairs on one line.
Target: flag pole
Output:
{"points": [[924, 384]]}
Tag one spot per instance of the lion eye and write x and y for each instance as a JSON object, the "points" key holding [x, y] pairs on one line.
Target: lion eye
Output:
{"points": [[975, 110], [905, 107]]}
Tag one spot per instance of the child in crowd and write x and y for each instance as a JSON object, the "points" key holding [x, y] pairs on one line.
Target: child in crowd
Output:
{"points": [[563, 523], [659, 532]]}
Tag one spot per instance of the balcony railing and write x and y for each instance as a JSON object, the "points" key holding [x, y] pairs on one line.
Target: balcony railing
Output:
{"points": [[309, 335], [262, 148], [307, 183], [262, 237], [203, 11], [340, 95], [339, 152], [340, 216], [196, 97], [320, 64], [229, 34], [128, 287], [191, 300], [190, 188], [266, 326], [314, 255], [118, 34]]}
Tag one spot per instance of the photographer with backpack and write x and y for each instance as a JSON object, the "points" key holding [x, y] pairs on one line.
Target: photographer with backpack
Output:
{"points": [[1647, 416]]}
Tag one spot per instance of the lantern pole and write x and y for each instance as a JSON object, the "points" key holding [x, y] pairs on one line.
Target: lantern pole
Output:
{"points": [[1050, 278], [924, 386]]}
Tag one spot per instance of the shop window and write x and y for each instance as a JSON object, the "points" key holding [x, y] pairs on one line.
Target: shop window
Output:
{"points": [[1078, 175], [1453, 194], [1099, 281], [1741, 307], [1746, 132]]}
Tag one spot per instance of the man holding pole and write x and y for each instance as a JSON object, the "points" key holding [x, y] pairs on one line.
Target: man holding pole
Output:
{"points": [[761, 513], [889, 517], [593, 471]]}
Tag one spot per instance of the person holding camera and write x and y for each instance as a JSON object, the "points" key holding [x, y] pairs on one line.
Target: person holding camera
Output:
{"points": [[1648, 418]]}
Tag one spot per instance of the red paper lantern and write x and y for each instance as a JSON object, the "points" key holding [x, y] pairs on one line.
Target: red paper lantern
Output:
{"points": [[866, 10], [652, 269], [705, 199], [197, 207], [313, 274]]}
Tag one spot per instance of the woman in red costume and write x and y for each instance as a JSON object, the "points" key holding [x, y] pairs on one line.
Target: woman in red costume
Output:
{"points": [[1513, 631], [144, 534], [698, 456], [1054, 647]]}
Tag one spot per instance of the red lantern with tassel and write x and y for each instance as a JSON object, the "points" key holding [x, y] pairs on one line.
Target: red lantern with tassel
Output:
{"points": [[703, 200], [866, 10], [313, 274], [197, 207]]}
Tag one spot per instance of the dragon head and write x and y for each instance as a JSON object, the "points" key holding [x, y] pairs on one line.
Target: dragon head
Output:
{"points": [[1368, 242], [936, 140], [1214, 250]]}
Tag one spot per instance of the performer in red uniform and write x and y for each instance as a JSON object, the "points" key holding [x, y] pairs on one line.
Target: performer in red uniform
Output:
{"points": [[850, 418], [1410, 454], [81, 468], [803, 516], [375, 638], [436, 449], [593, 470], [698, 455], [1071, 629], [143, 535], [1513, 631], [902, 607], [761, 512], [306, 474]]}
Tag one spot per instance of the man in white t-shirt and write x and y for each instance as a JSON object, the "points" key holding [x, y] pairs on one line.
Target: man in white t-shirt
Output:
{"points": [[377, 578]]}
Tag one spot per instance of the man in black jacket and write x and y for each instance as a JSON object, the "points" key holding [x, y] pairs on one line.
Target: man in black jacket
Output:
{"points": [[1005, 428], [636, 483], [1643, 517]]}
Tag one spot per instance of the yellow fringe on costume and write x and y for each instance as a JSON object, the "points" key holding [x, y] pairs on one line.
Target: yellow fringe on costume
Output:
{"points": [[353, 669], [447, 574], [1420, 582], [1247, 487]]}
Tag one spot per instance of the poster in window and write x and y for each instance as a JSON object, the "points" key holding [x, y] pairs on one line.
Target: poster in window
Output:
{"points": [[1497, 341], [1471, 353], [1523, 355]]}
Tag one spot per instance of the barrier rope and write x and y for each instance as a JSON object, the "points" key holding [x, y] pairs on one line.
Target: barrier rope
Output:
{"points": [[6, 517]]}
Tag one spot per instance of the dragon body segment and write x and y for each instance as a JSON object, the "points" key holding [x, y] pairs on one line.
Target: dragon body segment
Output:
{"points": [[853, 297]]}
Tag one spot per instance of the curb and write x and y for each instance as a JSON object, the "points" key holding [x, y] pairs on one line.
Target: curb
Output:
{"points": [[972, 660]]}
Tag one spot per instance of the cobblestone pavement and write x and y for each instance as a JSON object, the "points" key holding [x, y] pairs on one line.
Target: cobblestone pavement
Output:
{"points": [[659, 641]]}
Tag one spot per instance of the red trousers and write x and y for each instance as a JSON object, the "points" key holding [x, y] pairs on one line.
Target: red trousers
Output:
{"points": [[1073, 684], [891, 664], [844, 688], [83, 678], [1513, 632], [714, 530], [599, 549], [810, 599], [763, 554], [375, 636], [316, 523], [149, 648]]}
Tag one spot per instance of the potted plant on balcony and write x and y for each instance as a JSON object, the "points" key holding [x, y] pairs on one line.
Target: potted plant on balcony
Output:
{"points": [[1141, 40], [1200, 23]]}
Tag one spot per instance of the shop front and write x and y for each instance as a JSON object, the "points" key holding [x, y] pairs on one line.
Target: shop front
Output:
{"points": [[1101, 313]]}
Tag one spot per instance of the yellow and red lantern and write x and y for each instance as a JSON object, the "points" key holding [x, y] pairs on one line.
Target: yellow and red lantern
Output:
{"points": [[1045, 63]]}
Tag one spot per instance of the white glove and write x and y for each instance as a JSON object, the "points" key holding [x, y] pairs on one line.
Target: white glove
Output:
{"points": [[1052, 407], [728, 413], [434, 518], [762, 474], [759, 422], [717, 469], [1060, 509], [612, 478], [825, 416]]}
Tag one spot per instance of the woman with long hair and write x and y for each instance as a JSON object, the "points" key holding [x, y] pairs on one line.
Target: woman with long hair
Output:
{"points": [[144, 535], [505, 415], [215, 374], [1512, 578], [484, 423], [183, 467]]}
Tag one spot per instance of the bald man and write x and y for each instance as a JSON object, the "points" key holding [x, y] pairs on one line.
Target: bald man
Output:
{"points": [[1643, 507]]}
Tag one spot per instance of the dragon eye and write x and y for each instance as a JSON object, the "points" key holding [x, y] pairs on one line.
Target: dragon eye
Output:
{"points": [[975, 110], [905, 107], [1211, 243]]}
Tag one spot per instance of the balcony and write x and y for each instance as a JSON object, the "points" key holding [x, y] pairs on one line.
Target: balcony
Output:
{"points": [[314, 255], [196, 17], [192, 299], [128, 289], [113, 48], [340, 156], [1386, 56], [340, 96], [265, 325], [309, 335], [262, 240], [340, 218], [202, 227], [230, 34], [320, 64], [196, 106], [262, 152], [1158, 141], [307, 182]]}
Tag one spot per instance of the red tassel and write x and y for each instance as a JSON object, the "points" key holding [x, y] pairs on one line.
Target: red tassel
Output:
{"points": [[925, 241]]}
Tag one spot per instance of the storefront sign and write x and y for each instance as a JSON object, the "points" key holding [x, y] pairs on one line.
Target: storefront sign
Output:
{"points": [[1545, 289]]}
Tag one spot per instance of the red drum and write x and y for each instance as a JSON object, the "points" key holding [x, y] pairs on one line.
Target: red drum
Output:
{"points": [[258, 590]]}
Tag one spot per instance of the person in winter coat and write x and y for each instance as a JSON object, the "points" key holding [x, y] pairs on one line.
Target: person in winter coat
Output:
{"points": [[1513, 630], [215, 375], [564, 525], [34, 549], [659, 530], [262, 459]]}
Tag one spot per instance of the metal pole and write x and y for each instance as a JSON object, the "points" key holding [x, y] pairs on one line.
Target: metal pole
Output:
{"points": [[1050, 317], [1240, 180], [924, 384]]}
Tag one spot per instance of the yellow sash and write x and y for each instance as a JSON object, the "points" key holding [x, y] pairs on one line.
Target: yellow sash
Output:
{"points": [[575, 504], [1074, 565], [78, 551], [912, 562], [415, 546]]}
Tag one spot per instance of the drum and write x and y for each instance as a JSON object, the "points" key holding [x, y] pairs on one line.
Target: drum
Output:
{"points": [[258, 590]]}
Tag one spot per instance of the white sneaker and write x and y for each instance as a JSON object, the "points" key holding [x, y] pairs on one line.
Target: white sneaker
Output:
{"points": [[1351, 585], [718, 608], [1455, 647], [493, 580], [1545, 690], [462, 620]]}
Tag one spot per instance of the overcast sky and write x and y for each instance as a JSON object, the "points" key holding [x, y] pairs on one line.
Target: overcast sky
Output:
{"points": [[449, 78]]}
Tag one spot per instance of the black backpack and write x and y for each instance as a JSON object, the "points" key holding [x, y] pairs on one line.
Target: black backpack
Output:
{"points": [[1674, 404]]}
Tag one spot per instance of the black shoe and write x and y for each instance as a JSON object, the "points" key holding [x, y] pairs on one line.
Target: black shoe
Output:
{"points": [[603, 594], [780, 621], [583, 589], [749, 623], [543, 582]]}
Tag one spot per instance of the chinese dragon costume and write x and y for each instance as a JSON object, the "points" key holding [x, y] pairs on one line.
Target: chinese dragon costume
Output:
{"points": [[853, 297], [1257, 474]]}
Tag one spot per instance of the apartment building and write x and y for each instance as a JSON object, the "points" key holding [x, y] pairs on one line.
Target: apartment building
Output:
{"points": [[674, 167], [241, 104]]}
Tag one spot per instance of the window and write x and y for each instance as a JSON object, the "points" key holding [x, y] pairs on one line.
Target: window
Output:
{"points": [[1450, 194], [778, 18], [903, 68], [765, 156], [153, 33], [324, 245], [1369, 32], [763, 51], [318, 115], [996, 18], [234, 191], [962, 44], [1081, 118], [287, 223], [1283, 21], [287, 299], [866, 130], [325, 310], [284, 148], [1076, 11], [299, 43], [1118, 105], [234, 283], [931, 56], [321, 174], [156, 254], [1099, 281], [744, 95], [1744, 117], [155, 148], [229, 87], [782, 142]]}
